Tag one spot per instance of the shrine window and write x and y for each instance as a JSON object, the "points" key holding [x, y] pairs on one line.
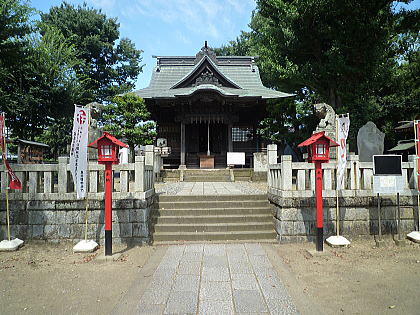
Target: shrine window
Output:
{"points": [[242, 134]]}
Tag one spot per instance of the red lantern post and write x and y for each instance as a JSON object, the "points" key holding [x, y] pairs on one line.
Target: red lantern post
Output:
{"points": [[108, 149], [318, 149]]}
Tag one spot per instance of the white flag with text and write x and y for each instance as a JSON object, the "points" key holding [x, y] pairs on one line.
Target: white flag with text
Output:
{"points": [[343, 124], [78, 150]]}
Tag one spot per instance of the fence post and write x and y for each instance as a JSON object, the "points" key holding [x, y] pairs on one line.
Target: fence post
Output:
{"points": [[354, 172], [412, 179], [272, 154], [139, 174], [33, 182], [150, 155], [62, 174], [286, 172]]}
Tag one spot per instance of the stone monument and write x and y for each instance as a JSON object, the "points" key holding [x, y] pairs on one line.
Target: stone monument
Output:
{"points": [[370, 142]]}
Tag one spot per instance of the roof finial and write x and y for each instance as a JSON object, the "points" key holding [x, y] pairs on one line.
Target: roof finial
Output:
{"points": [[205, 43]]}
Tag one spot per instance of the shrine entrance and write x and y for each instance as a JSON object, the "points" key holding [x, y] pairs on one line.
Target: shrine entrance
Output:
{"points": [[206, 139]]}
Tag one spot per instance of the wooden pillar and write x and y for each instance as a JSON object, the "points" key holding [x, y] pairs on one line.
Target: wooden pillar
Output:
{"points": [[229, 134], [182, 146]]}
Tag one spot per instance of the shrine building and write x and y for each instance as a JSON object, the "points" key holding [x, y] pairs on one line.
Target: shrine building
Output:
{"points": [[207, 105]]}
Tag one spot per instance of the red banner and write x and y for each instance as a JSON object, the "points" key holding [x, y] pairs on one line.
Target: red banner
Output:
{"points": [[14, 182], [417, 143]]}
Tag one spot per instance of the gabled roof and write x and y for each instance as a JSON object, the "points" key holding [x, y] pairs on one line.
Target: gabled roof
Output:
{"points": [[39, 144], [317, 136], [109, 137], [206, 64], [235, 76]]}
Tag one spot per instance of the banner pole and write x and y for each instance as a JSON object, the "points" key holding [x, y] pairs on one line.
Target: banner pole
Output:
{"points": [[4, 153], [7, 184], [87, 188], [417, 171], [337, 210]]}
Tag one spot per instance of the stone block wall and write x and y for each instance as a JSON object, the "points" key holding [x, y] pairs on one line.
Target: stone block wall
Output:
{"points": [[295, 217], [58, 220]]}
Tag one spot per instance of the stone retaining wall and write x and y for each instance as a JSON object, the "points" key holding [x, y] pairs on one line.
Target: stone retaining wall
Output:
{"points": [[57, 220], [295, 217]]}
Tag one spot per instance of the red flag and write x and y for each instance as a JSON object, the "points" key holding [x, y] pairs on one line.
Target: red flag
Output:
{"points": [[14, 182]]}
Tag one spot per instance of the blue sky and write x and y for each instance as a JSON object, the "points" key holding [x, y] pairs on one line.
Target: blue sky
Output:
{"points": [[174, 27], [171, 27]]}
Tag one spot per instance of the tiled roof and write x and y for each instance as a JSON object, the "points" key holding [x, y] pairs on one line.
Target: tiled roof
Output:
{"points": [[241, 71]]}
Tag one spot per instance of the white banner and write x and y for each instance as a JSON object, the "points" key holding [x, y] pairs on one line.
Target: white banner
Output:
{"points": [[343, 124], [78, 150]]}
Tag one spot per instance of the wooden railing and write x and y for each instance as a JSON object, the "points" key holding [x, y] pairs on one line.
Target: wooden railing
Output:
{"points": [[54, 181], [297, 179]]}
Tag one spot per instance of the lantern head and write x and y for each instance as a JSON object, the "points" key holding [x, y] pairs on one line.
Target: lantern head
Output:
{"points": [[108, 148], [318, 147]]}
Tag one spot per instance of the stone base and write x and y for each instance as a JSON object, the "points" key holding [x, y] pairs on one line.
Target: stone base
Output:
{"points": [[103, 258], [379, 243], [315, 253], [85, 246], [10, 246], [414, 236], [337, 241], [400, 242]]}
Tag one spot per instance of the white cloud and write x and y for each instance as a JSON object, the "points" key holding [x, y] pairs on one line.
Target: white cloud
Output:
{"points": [[208, 18]]}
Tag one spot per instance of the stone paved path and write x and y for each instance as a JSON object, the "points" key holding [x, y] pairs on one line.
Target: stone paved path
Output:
{"points": [[211, 188], [215, 279]]}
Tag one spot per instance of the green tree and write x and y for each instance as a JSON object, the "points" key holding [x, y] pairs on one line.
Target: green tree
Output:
{"points": [[38, 84], [360, 57], [127, 117], [111, 65]]}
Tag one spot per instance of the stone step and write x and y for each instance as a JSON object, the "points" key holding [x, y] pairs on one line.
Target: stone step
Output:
{"points": [[213, 204], [206, 179], [194, 219], [213, 236], [211, 198], [214, 227], [212, 211], [210, 172]]}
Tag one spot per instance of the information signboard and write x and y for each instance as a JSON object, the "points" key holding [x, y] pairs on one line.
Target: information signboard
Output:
{"points": [[387, 165], [235, 158], [387, 170]]}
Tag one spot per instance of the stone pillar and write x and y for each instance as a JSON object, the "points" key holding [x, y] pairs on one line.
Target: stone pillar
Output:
{"points": [[149, 155], [229, 135], [62, 174], [182, 146], [286, 172], [272, 154]]}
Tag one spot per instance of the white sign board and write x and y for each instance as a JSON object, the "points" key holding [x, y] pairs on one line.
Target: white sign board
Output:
{"points": [[235, 158], [388, 184]]}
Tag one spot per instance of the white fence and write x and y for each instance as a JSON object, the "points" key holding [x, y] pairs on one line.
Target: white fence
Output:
{"points": [[297, 179], [54, 181]]}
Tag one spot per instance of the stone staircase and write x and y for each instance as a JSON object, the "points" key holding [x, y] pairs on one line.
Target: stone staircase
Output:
{"points": [[213, 218], [213, 175]]}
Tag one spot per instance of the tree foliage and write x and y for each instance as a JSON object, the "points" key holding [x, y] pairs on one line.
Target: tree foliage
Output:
{"points": [[72, 56], [38, 84], [127, 117], [112, 65], [360, 57]]}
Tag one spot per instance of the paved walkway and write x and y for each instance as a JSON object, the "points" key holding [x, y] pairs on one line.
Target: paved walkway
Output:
{"points": [[215, 279], [211, 188]]}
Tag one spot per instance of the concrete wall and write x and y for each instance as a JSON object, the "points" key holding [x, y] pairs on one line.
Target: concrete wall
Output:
{"points": [[56, 220], [295, 217]]}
